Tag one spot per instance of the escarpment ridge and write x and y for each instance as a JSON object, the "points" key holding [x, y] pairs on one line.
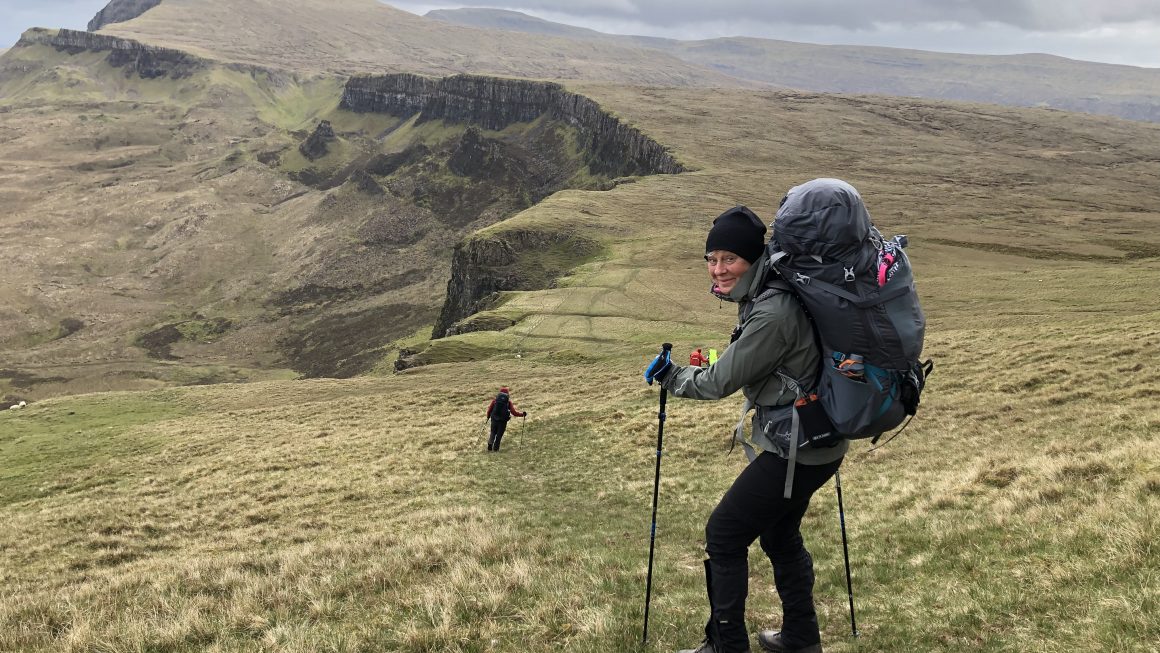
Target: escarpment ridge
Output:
{"points": [[614, 148], [148, 61], [484, 266], [403, 166]]}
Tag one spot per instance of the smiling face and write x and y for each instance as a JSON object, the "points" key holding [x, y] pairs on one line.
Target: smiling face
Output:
{"points": [[725, 268]]}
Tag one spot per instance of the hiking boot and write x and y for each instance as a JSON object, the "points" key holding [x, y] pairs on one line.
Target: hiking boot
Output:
{"points": [[770, 641], [705, 647]]}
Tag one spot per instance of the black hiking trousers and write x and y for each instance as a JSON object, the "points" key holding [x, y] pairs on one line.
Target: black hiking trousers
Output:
{"points": [[754, 509], [498, 426]]}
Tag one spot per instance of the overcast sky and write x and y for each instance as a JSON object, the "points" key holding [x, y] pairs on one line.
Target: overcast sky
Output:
{"points": [[1112, 31]]}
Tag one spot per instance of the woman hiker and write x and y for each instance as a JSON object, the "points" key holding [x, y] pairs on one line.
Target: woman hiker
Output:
{"points": [[773, 336]]}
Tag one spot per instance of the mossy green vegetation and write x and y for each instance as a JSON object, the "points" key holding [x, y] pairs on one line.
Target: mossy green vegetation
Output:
{"points": [[72, 448]]}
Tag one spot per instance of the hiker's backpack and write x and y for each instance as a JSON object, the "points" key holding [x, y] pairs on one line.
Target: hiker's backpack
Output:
{"points": [[858, 290], [502, 409]]}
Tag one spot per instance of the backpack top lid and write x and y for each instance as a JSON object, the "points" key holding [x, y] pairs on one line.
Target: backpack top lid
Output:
{"points": [[824, 216]]}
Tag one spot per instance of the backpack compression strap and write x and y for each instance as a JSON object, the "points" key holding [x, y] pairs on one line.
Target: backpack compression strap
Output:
{"points": [[794, 433], [773, 286], [739, 432]]}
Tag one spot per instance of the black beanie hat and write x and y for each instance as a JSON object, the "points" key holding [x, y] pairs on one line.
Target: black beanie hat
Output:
{"points": [[737, 230]]}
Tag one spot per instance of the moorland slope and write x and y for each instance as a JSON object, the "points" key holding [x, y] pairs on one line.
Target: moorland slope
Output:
{"points": [[174, 215], [362, 514], [1018, 511], [1018, 80], [349, 36], [368, 36]]}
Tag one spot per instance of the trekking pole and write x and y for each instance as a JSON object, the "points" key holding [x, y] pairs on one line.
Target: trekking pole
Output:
{"points": [[665, 348], [845, 552]]}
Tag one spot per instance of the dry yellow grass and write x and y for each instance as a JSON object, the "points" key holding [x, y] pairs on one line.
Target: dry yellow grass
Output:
{"points": [[348, 36], [1018, 512]]}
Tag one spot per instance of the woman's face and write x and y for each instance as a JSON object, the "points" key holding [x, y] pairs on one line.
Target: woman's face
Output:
{"points": [[725, 268]]}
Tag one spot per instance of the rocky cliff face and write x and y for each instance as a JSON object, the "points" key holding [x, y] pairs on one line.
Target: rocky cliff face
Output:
{"points": [[612, 147], [119, 11], [513, 259], [483, 266], [136, 58]]}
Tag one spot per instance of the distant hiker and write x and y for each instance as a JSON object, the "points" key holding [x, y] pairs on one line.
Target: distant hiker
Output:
{"points": [[697, 359], [499, 411], [773, 335], [712, 356]]}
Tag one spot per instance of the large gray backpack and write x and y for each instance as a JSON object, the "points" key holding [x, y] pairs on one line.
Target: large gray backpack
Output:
{"points": [[858, 290]]}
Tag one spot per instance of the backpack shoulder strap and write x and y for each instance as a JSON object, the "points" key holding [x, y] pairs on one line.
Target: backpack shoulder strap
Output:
{"points": [[774, 286]]}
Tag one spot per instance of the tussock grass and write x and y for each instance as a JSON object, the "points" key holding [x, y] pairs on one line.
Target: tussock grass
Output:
{"points": [[1017, 512]]}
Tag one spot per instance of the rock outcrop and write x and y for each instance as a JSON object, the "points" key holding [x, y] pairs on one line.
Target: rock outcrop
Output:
{"points": [[612, 148], [474, 153], [146, 61], [484, 266], [119, 11], [314, 147]]}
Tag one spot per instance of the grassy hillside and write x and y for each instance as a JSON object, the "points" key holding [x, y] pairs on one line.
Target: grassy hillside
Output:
{"points": [[169, 230], [1019, 80], [368, 36], [1018, 512], [513, 21]]}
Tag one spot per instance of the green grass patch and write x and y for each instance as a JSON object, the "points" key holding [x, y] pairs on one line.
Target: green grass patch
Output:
{"points": [[71, 445], [467, 347], [431, 132], [371, 125]]}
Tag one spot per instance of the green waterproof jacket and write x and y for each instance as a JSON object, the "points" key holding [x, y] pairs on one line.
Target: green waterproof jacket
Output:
{"points": [[775, 337]]}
